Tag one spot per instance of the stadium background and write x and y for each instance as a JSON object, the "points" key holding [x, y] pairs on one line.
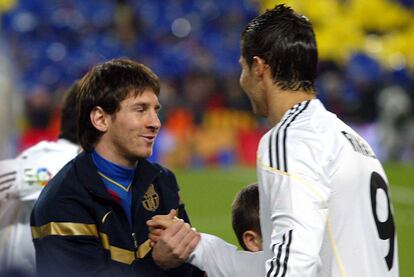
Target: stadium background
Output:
{"points": [[209, 135]]}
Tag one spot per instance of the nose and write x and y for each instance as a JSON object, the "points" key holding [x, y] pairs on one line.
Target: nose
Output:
{"points": [[154, 121]]}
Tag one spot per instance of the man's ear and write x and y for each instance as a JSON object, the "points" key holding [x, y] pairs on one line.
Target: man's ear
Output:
{"points": [[259, 67], [99, 119], [252, 240]]}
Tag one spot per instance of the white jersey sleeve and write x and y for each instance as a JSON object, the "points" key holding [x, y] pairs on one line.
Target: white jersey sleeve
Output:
{"points": [[40, 163], [294, 198], [221, 259]]}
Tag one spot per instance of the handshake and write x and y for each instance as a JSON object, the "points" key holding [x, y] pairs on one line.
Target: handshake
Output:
{"points": [[172, 240]]}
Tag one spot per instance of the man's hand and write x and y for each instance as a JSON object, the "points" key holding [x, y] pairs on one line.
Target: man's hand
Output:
{"points": [[158, 224], [173, 240]]}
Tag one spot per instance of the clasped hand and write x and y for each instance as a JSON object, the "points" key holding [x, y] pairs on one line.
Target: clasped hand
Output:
{"points": [[172, 239]]}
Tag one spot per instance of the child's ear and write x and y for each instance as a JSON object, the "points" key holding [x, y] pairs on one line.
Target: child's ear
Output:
{"points": [[252, 240]]}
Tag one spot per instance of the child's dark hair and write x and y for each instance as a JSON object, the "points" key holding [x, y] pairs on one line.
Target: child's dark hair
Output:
{"points": [[245, 212]]}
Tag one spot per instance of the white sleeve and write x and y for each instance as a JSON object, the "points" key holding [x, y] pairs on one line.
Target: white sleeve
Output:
{"points": [[22, 179], [296, 200], [220, 259]]}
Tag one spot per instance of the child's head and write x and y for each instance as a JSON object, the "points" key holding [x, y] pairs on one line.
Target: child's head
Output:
{"points": [[245, 218]]}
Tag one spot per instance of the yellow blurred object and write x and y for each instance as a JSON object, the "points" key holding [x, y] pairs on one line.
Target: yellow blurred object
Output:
{"points": [[378, 15], [381, 28], [208, 142], [229, 119], [339, 39], [6, 5], [218, 134]]}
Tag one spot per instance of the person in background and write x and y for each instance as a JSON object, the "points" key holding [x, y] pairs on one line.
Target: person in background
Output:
{"points": [[90, 219], [21, 181], [394, 123], [38, 114]]}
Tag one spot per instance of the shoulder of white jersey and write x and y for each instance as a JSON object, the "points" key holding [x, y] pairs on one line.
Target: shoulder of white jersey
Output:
{"points": [[40, 147], [355, 142], [45, 147], [307, 131], [274, 144], [337, 136], [40, 163]]}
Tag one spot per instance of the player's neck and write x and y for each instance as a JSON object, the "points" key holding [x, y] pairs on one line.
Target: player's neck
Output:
{"points": [[110, 153], [280, 101]]}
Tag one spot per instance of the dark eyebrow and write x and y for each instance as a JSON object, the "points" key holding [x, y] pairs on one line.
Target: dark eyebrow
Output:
{"points": [[145, 105]]}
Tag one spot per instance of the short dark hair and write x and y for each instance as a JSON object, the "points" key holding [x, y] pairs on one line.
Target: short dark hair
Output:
{"points": [[68, 125], [245, 212], [286, 41], [107, 85]]}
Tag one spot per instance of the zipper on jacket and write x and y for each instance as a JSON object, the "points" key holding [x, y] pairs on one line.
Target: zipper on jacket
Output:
{"points": [[134, 237], [133, 214], [133, 234]]}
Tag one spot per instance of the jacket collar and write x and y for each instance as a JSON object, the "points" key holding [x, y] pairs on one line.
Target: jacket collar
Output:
{"points": [[145, 173]]}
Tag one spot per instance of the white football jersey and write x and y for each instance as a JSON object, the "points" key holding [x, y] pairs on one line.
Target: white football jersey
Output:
{"points": [[21, 181], [325, 206]]}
